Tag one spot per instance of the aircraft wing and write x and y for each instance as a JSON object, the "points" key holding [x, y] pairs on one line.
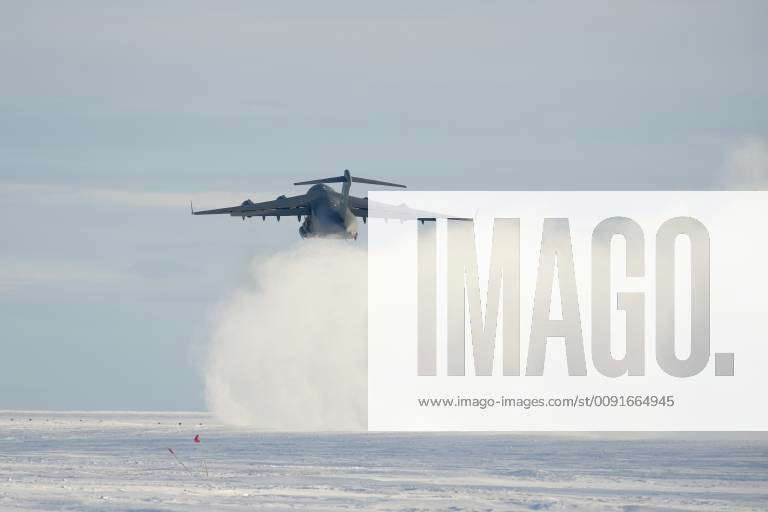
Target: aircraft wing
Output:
{"points": [[282, 206], [362, 207]]}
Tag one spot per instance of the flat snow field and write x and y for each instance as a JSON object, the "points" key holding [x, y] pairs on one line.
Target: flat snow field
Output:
{"points": [[120, 461]]}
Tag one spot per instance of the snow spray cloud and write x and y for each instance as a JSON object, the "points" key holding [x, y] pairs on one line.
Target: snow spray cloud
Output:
{"points": [[289, 351]]}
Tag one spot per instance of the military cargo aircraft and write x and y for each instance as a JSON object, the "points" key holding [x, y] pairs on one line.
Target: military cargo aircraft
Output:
{"points": [[327, 213]]}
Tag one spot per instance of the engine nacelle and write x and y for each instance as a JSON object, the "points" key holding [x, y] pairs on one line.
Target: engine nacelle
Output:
{"points": [[306, 228]]}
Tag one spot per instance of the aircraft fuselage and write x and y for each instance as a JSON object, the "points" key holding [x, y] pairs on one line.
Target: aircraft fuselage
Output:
{"points": [[329, 216]]}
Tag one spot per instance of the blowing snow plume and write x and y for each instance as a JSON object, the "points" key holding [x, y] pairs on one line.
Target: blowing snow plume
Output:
{"points": [[289, 351]]}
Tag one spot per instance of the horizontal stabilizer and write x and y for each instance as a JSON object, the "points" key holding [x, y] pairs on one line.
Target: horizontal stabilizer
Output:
{"points": [[376, 182], [349, 179], [337, 179]]}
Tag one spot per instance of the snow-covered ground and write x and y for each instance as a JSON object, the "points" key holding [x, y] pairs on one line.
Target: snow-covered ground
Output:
{"points": [[120, 461]]}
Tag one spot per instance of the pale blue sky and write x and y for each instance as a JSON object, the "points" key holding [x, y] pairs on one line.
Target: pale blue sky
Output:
{"points": [[113, 114]]}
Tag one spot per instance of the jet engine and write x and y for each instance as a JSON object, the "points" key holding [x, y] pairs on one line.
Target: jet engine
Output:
{"points": [[306, 228]]}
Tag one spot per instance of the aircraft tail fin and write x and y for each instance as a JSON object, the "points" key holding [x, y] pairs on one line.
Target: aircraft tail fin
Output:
{"points": [[348, 178]]}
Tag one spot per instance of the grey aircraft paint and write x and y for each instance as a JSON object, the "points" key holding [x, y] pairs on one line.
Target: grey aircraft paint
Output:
{"points": [[326, 212]]}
